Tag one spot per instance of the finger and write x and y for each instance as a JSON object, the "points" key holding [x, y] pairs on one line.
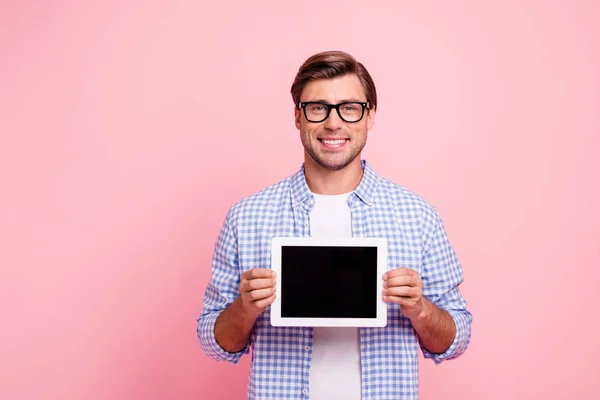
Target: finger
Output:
{"points": [[399, 272], [402, 301], [258, 273], [402, 291], [261, 294], [259, 283], [404, 280], [265, 302]]}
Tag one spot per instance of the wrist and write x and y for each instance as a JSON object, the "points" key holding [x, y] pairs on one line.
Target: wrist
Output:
{"points": [[427, 310], [245, 313]]}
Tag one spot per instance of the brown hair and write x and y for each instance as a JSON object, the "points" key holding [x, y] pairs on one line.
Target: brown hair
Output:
{"points": [[329, 65]]}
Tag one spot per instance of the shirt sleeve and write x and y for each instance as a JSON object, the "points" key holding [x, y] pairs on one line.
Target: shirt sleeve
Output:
{"points": [[220, 292], [442, 275]]}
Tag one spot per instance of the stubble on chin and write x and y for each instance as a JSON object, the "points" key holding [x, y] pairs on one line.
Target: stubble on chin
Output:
{"points": [[320, 160], [333, 165]]}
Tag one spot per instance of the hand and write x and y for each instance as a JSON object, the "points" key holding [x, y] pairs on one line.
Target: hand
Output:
{"points": [[403, 286], [257, 290]]}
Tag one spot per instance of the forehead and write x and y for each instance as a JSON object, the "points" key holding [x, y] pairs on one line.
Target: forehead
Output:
{"points": [[347, 87]]}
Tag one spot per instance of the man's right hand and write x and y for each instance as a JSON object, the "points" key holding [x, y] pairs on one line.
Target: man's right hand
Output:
{"points": [[257, 290], [234, 325]]}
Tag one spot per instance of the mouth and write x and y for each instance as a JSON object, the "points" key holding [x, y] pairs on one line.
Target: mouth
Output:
{"points": [[333, 144]]}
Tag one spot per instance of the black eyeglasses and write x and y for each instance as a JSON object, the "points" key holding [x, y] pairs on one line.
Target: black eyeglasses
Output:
{"points": [[316, 111]]}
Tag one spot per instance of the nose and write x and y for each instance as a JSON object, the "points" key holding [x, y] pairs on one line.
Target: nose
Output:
{"points": [[333, 122]]}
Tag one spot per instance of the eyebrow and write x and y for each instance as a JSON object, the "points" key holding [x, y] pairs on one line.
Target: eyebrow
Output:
{"points": [[342, 101]]}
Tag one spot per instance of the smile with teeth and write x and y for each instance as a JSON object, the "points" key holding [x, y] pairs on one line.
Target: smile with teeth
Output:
{"points": [[337, 141], [333, 143]]}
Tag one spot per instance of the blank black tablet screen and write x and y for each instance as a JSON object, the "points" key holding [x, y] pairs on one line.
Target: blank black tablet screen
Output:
{"points": [[328, 282]]}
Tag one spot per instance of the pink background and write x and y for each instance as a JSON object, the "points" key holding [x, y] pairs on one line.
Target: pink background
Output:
{"points": [[128, 129]]}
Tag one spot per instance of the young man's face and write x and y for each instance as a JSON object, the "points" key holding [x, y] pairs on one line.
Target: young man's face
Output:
{"points": [[333, 144]]}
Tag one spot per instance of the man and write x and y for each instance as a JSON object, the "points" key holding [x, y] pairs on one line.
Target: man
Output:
{"points": [[335, 193]]}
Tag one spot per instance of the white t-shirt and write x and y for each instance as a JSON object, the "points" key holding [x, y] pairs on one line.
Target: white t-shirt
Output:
{"points": [[335, 367]]}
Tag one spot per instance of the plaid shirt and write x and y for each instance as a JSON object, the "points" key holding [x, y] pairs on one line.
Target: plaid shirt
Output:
{"points": [[282, 355]]}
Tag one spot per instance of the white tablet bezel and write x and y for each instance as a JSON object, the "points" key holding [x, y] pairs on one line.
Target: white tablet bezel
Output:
{"points": [[382, 265]]}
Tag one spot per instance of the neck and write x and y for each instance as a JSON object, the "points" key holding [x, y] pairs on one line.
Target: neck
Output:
{"points": [[321, 180]]}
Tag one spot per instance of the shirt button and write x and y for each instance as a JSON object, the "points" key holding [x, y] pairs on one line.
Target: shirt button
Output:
{"points": [[305, 391], [307, 348], [306, 225]]}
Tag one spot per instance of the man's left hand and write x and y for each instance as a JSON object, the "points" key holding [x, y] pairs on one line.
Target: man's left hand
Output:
{"points": [[403, 286]]}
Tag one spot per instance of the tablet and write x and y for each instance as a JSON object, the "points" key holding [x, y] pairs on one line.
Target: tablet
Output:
{"points": [[329, 282]]}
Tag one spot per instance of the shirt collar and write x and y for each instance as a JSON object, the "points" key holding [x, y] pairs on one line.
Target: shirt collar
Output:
{"points": [[365, 190]]}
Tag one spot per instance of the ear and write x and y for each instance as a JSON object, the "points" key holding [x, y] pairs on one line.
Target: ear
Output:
{"points": [[370, 119], [297, 116]]}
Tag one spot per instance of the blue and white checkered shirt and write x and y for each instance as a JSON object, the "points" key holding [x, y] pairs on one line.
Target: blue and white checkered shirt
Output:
{"points": [[282, 355]]}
